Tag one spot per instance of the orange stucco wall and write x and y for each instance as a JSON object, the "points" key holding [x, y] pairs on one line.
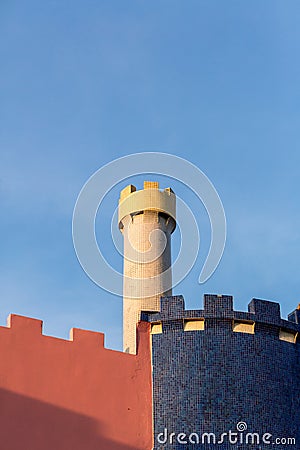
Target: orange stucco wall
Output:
{"points": [[72, 395]]}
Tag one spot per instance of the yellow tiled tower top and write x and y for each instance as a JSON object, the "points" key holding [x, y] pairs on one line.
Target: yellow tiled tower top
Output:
{"points": [[148, 199]]}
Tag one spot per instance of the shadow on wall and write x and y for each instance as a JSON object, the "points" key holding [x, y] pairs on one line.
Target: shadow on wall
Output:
{"points": [[26, 423]]}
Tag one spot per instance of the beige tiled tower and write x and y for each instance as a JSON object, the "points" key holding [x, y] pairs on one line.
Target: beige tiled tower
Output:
{"points": [[146, 220]]}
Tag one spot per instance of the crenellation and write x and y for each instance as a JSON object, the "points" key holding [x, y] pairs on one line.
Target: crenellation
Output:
{"points": [[295, 316], [22, 324], [219, 305], [265, 310], [222, 315], [33, 329], [172, 308], [87, 337]]}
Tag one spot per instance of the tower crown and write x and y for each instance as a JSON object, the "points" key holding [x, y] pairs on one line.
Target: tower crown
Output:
{"points": [[148, 199]]}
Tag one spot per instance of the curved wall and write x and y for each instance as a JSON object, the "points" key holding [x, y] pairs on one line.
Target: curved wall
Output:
{"points": [[215, 368]]}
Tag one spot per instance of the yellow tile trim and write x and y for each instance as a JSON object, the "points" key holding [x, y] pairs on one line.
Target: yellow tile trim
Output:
{"points": [[239, 326], [193, 324], [156, 328], [288, 336]]}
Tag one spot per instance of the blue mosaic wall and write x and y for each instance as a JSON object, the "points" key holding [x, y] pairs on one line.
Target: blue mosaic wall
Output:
{"points": [[210, 380]]}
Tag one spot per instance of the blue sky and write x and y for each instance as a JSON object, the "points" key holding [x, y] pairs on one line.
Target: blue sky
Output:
{"points": [[83, 83]]}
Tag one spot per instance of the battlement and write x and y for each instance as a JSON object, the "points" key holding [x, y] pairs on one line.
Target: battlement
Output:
{"points": [[23, 326], [262, 317], [150, 198], [29, 329]]}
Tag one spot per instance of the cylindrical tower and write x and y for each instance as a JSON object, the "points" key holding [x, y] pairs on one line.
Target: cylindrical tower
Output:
{"points": [[225, 379], [146, 220]]}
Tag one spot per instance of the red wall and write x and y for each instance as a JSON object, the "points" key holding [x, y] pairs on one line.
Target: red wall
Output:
{"points": [[72, 395]]}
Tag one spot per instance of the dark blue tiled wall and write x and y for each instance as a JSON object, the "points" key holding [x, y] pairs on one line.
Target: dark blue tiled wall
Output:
{"points": [[210, 380]]}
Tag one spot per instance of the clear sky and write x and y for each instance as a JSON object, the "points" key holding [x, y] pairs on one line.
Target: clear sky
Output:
{"points": [[85, 82]]}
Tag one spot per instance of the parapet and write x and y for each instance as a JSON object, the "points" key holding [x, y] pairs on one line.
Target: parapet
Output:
{"points": [[29, 330], [148, 199], [263, 316]]}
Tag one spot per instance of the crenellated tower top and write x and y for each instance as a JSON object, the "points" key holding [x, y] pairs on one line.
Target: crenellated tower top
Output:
{"points": [[151, 198]]}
